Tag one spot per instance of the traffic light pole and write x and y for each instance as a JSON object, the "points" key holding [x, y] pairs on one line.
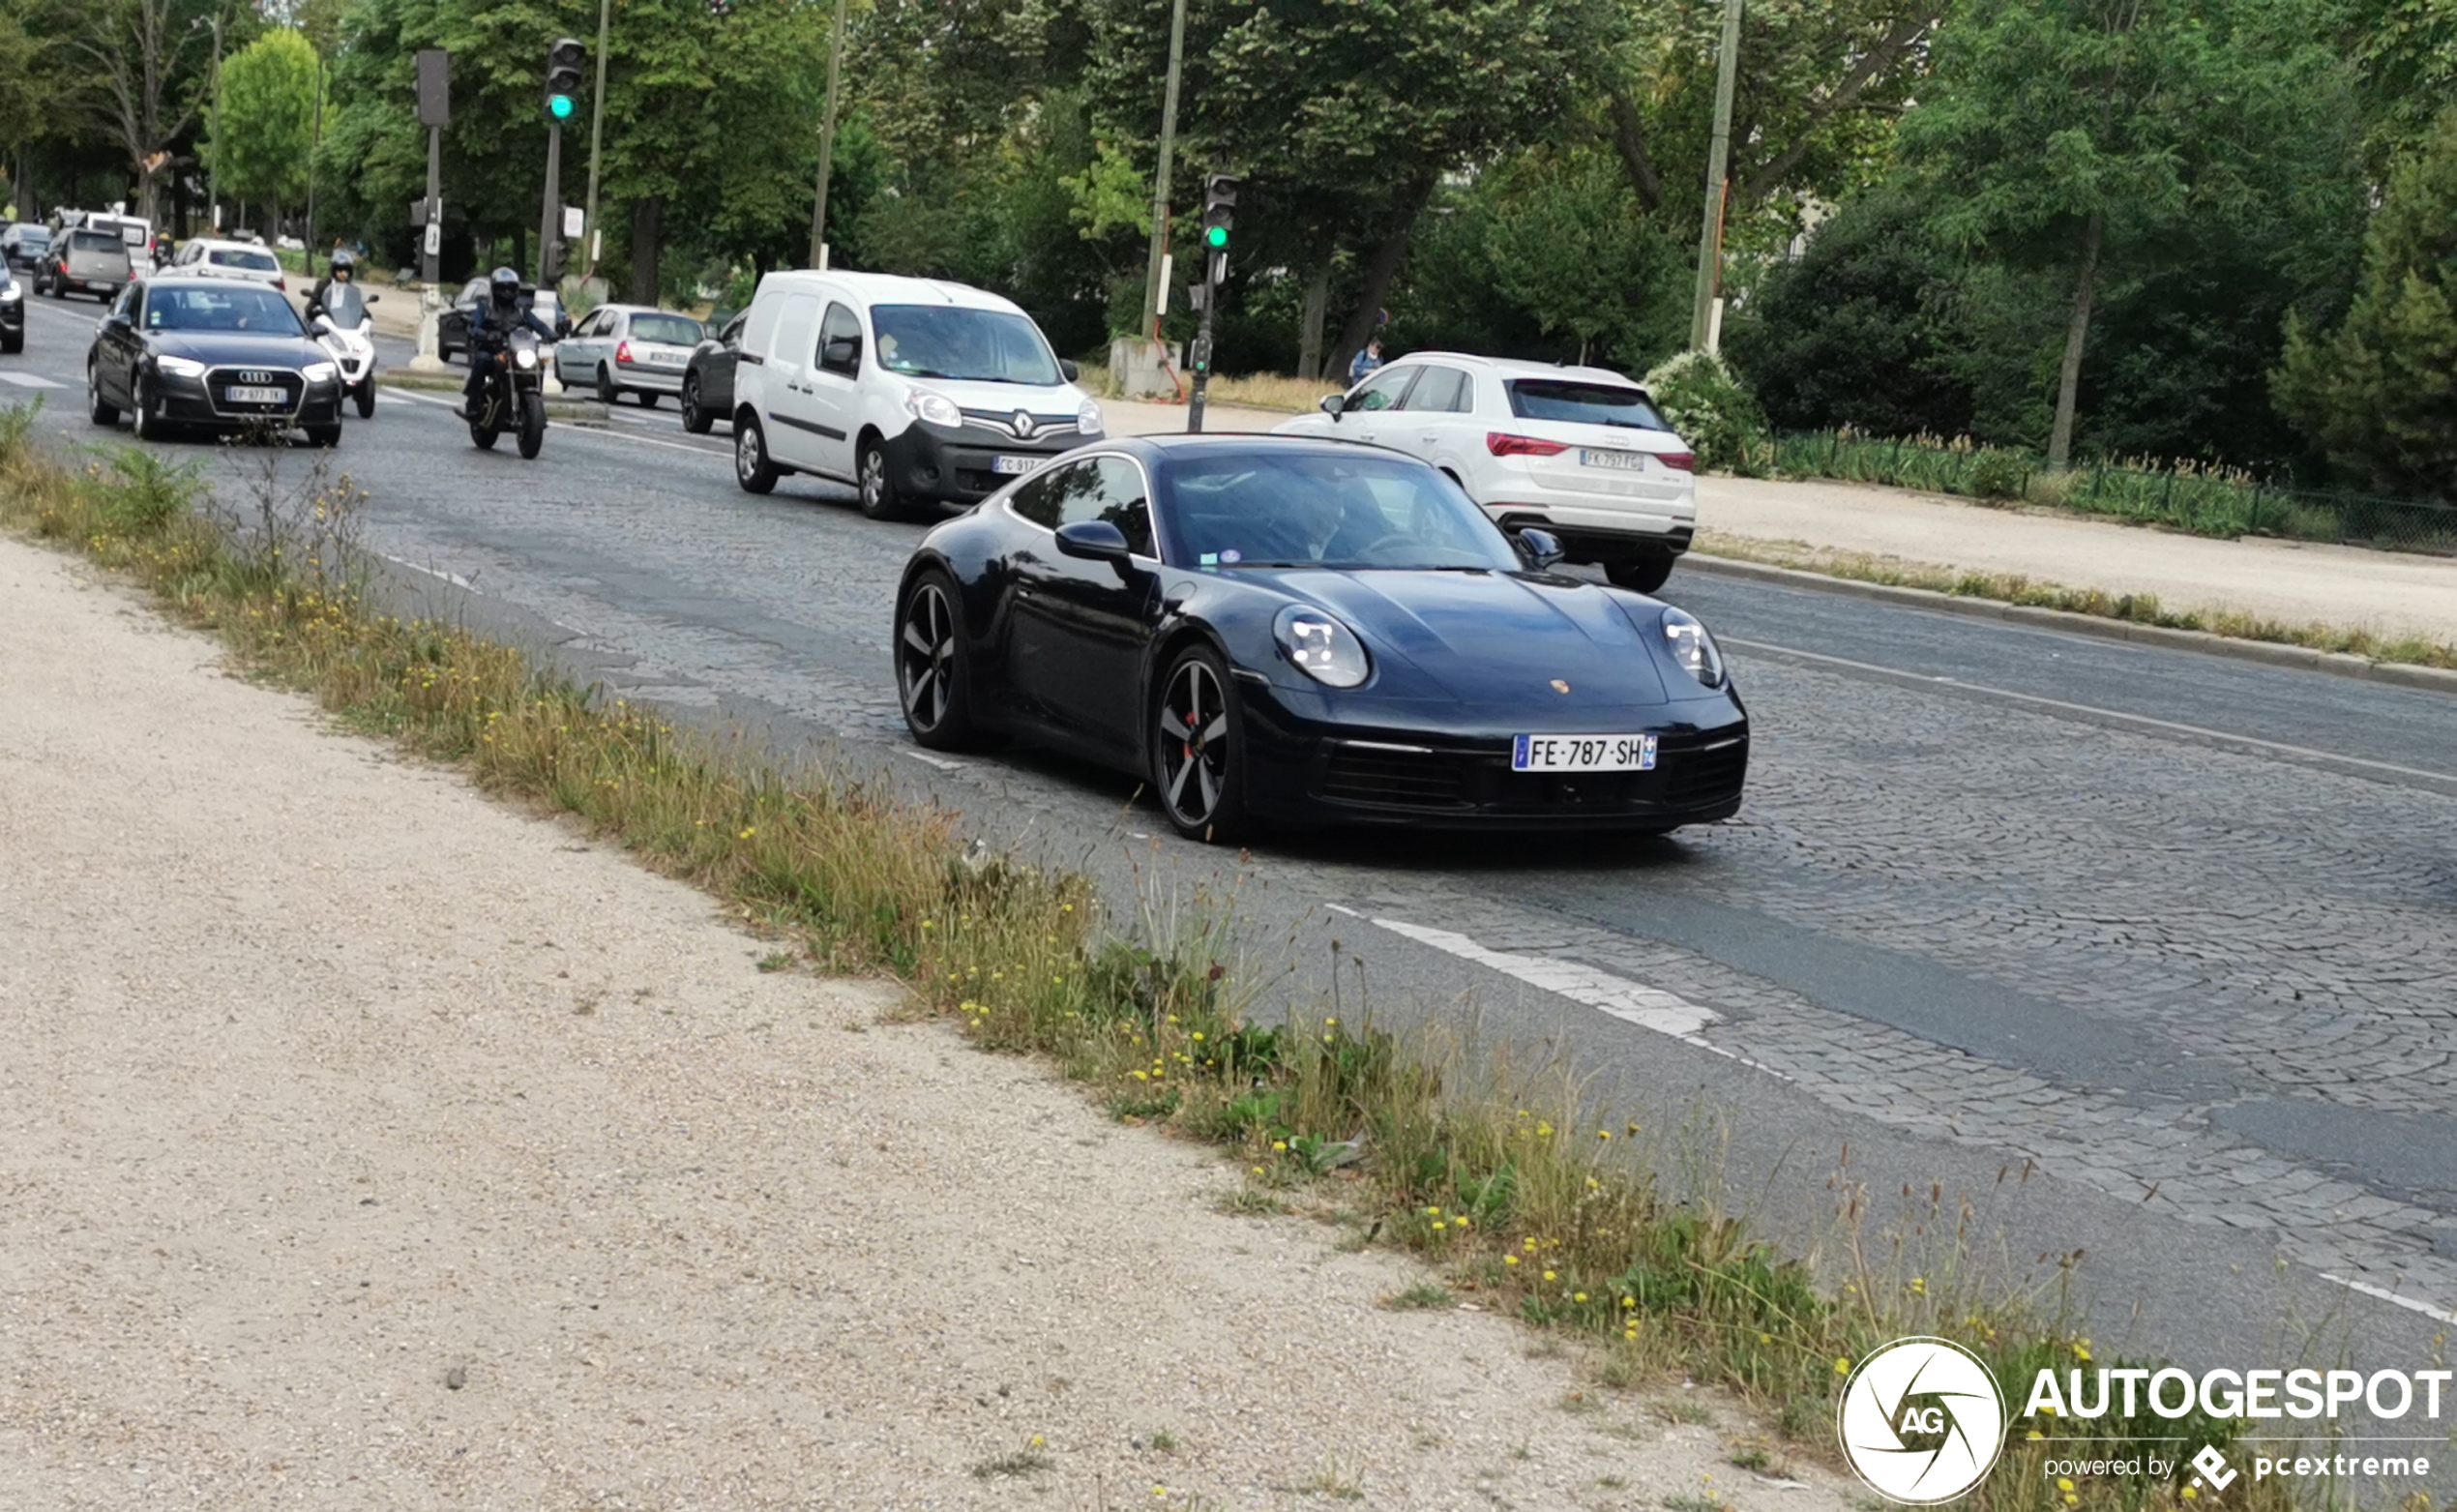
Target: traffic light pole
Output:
{"points": [[546, 228], [1201, 355]]}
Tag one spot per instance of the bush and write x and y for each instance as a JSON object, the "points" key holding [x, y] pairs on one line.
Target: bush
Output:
{"points": [[1710, 409], [1996, 474]]}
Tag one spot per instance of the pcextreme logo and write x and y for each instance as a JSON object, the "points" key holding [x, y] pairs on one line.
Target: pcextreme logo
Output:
{"points": [[1921, 1421]]}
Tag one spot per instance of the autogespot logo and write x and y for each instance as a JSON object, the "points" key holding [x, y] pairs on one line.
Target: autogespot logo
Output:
{"points": [[1921, 1421]]}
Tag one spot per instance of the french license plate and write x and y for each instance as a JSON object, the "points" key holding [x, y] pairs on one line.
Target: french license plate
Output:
{"points": [[254, 396], [666, 359], [1582, 753], [1017, 466], [1627, 461]]}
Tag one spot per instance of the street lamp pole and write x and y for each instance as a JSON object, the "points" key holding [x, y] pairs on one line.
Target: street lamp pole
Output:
{"points": [[307, 257], [1160, 178], [597, 132], [214, 169], [1705, 330], [827, 140]]}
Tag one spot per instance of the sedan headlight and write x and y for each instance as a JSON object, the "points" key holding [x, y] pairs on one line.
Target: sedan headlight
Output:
{"points": [[180, 366], [12, 293], [1320, 646], [1693, 648], [935, 408], [525, 357], [320, 373], [1087, 420]]}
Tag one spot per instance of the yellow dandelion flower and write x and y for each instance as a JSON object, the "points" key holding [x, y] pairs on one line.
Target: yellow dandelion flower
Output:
{"points": [[1509, 1260], [1549, 1276], [2064, 1483], [1578, 1296]]}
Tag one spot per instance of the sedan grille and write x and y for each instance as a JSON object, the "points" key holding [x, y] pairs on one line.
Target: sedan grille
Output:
{"points": [[219, 381]]}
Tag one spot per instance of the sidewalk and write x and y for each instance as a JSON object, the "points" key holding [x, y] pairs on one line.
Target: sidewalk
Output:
{"points": [[366, 1144]]}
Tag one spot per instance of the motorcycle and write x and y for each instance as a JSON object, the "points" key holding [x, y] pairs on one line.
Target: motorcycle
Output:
{"points": [[346, 328], [514, 397]]}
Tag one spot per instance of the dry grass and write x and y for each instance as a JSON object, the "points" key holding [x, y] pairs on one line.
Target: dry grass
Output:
{"points": [[1255, 391], [2140, 608], [1604, 1230]]}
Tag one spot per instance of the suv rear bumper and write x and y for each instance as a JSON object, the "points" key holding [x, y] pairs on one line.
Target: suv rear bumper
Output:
{"points": [[1601, 535]]}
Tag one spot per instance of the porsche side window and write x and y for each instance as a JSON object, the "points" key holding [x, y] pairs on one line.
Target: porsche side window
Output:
{"points": [[1042, 497], [1110, 489]]}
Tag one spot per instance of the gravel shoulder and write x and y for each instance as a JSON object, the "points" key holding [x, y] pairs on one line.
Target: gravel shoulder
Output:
{"points": [[365, 1143]]}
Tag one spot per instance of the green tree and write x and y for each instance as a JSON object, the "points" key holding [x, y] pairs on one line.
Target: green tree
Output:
{"points": [[268, 120], [2078, 138], [1569, 246], [2382, 389]]}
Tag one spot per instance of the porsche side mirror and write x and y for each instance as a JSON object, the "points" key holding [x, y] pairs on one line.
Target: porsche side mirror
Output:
{"points": [[1541, 547], [1094, 540], [1068, 370], [1333, 403]]}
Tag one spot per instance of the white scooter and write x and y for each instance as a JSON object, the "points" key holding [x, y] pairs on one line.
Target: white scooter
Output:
{"points": [[346, 328]]}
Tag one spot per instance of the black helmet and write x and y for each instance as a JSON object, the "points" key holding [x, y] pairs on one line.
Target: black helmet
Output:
{"points": [[344, 266], [507, 286]]}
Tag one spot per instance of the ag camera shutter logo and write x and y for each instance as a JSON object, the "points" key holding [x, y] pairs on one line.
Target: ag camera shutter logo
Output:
{"points": [[1921, 1421]]}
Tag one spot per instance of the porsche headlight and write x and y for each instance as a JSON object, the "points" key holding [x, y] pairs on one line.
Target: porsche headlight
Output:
{"points": [[320, 373], [525, 358], [1693, 648], [1087, 420], [935, 408], [180, 366], [1320, 646]]}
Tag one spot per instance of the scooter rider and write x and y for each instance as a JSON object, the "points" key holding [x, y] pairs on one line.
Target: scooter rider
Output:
{"points": [[343, 269], [490, 326]]}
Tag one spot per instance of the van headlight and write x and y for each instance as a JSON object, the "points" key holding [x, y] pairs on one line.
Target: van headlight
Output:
{"points": [[320, 373], [1087, 420], [1320, 646], [525, 357], [1693, 648], [935, 410], [180, 366]]}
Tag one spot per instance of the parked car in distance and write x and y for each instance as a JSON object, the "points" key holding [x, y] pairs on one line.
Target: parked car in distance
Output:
{"points": [[915, 391], [635, 349], [22, 244], [220, 354], [1579, 452], [12, 310], [708, 377], [86, 260], [212, 257]]}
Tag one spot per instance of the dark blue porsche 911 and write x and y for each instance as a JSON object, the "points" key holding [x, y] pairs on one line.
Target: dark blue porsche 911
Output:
{"points": [[1271, 628]]}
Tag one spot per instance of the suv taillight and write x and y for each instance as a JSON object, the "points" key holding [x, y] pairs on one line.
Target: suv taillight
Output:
{"points": [[623, 351], [1680, 460], [1500, 443]]}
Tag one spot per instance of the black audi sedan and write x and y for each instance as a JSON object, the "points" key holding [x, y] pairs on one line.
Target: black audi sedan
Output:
{"points": [[215, 354], [1277, 628], [12, 311]]}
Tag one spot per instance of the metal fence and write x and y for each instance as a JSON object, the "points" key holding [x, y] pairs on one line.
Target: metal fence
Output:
{"points": [[2210, 502]]}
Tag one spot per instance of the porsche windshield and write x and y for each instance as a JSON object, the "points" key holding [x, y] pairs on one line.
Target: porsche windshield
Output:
{"points": [[234, 307], [976, 345], [1248, 510]]}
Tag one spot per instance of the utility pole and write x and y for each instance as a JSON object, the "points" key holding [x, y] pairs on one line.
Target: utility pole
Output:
{"points": [[597, 132], [434, 113], [306, 258], [214, 169], [1704, 329], [1160, 178], [827, 140]]}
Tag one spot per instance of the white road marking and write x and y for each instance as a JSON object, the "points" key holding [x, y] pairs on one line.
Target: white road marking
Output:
{"points": [[2410, 1304], [1336, 908], [455, 579], [28, 380], [2095, 712], [573, 429], [940, 762], [1632, 1002]]}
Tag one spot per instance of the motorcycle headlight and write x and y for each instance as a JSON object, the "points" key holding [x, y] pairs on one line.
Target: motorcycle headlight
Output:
{"points": [[320, 373], [525, 357], [937, 409], [1693, 648], [1320, 646], [180, 366], [1089, 419]]}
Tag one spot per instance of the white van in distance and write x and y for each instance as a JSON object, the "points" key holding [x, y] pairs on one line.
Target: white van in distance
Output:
{"points": [[911, 390]]}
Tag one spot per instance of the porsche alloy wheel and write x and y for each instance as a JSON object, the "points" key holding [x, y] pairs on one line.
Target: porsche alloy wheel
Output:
{"points": [[931, 677], [1197, 755]]}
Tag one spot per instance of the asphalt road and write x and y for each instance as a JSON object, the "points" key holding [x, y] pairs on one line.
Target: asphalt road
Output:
{"points": [[2145, 952]]}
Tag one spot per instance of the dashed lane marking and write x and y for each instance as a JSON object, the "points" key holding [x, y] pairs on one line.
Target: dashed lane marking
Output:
{"points": [[1632, 1002], [2410, 1304], [28, 380]]}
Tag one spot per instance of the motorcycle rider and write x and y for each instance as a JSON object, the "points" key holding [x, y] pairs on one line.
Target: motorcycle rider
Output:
{"points": [[343, 269], [491, 327]]}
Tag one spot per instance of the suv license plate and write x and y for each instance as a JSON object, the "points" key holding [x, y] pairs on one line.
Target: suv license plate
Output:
{"points": [[1583, 753], [1017, 466], [254, 396], [1627, 461]]}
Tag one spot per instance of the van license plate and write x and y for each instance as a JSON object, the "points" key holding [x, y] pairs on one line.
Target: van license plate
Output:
{"points": [[1017, 466]]}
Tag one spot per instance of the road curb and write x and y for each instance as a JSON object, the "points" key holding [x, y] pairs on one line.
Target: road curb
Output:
{"points": [[2404, 675]]}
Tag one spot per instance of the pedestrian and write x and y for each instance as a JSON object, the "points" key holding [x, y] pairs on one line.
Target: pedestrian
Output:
{"points": [[1366, 362]]}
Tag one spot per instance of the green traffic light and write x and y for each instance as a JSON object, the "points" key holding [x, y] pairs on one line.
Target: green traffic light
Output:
{"points": [[560, 105], [1217, 236]]}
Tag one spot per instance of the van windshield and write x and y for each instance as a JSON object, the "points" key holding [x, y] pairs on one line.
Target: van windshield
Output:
{"points": [[975, 345]]}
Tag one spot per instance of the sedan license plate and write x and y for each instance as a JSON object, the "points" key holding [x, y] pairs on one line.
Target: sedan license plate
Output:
{"points": [[1627, 461], [666, 359], [1582, 753], [1017, 466], [254, 396]]}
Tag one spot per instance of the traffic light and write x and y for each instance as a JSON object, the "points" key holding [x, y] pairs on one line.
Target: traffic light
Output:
{"points": [[563, 63], [1219, 211]]}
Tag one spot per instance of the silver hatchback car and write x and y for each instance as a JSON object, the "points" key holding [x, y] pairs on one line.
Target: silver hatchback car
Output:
{"points": [[632, 349]]}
